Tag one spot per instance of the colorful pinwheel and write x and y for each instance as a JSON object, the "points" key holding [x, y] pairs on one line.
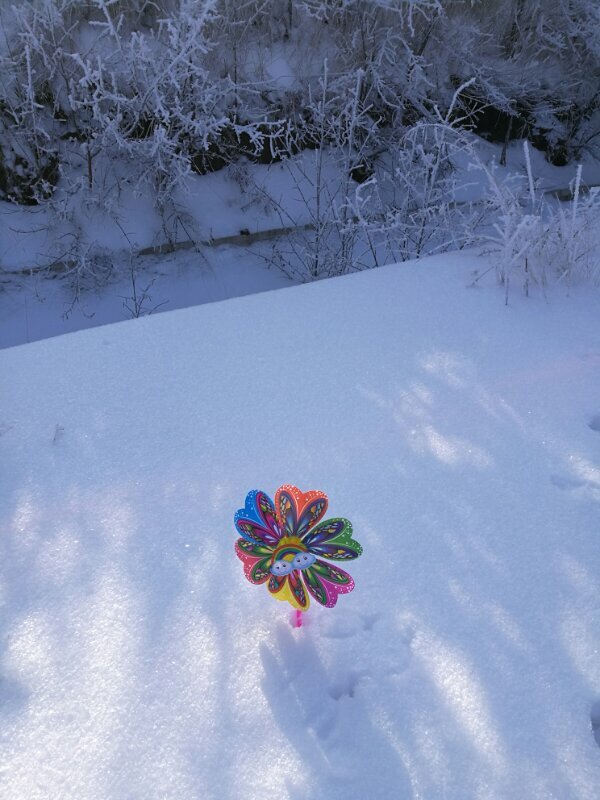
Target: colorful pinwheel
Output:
{"points": [[282, 545]]}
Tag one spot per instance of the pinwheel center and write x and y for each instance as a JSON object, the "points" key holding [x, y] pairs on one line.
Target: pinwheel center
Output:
{"points": [[291, 554], [288, 547]]}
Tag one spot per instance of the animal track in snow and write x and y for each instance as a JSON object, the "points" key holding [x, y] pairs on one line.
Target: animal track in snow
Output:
{"points": [[595, 720], [565, 483], [369, 621], [344, 625], [374, 656], [345, 687], [579, 487], [594, 423]]}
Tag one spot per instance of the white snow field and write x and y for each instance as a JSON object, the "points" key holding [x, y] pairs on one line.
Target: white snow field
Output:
{"points": [[462, 439]]}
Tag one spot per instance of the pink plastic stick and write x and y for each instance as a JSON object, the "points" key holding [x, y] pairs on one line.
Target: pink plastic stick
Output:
{"points": [[298, 618]]}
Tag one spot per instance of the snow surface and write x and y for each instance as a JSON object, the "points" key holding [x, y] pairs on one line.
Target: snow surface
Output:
{"points": [[34, 307], [456, 433]]}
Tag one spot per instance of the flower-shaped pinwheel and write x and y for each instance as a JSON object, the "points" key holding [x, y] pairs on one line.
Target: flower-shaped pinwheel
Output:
{"points": [[282, 543]]}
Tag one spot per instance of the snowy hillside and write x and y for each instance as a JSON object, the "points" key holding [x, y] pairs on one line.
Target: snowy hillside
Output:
{"points": [[462, 439]]}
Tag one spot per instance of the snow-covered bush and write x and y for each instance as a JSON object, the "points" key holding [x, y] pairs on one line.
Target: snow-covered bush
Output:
{"points": [[172, 84], [536, 68], [572, 240], [408, 206], [102, 97], [534, 239]]}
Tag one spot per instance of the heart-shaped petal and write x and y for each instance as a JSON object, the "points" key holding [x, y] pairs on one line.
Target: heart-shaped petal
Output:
{"points": [[256, 522], [325, 582], [333, 539], [298, 511], [256, 558]]}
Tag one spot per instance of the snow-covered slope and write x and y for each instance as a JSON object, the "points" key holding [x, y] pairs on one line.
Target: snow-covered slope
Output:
{"points": [[460, 436]]}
